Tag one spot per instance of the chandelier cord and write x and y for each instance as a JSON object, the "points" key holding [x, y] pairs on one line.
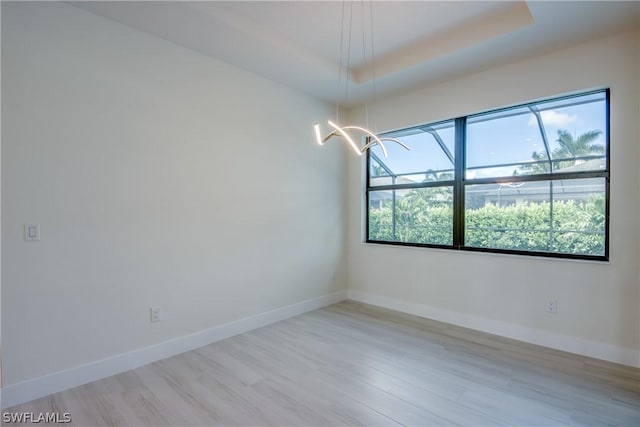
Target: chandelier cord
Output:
{"points": [[364, 61], [340, 65], [346, 86], [373, 70]]}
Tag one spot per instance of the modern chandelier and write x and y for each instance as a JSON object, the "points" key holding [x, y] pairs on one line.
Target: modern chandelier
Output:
{"points": [[342, 132]]}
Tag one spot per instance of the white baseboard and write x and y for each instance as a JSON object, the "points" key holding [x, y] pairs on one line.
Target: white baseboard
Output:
{"points": [[595, 349], [35, 388]]}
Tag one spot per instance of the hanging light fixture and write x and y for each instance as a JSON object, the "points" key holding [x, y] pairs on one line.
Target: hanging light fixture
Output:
{"points": [[343, 131]]}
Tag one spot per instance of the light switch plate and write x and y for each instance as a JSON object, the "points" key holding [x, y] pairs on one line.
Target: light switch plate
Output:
{"points": [[156, 314], [32, 232]]}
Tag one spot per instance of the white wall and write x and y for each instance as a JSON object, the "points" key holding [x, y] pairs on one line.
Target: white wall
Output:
{"points": [[598, 312], [638, 162], [159, 177], [0, 223]]}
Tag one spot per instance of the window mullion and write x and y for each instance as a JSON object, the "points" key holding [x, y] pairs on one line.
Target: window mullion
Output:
{"points": [[458, 186], [367, 198]]}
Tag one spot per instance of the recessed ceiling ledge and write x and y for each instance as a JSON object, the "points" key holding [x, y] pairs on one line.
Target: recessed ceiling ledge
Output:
{"points": [[506, 19]]}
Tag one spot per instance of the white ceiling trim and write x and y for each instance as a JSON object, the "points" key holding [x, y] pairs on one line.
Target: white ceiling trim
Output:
{"points": [[509, 17]]}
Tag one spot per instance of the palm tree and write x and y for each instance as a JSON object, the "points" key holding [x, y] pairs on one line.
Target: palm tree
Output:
{"points": [[432, 176], [377, 170], [581, 146], [569, 148], [541, 165]]}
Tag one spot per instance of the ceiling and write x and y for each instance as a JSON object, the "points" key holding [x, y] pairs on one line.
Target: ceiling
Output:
{"points": [[297, 43]]}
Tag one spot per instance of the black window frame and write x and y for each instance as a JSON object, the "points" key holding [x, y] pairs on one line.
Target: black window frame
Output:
{"points": [[460, 182]]}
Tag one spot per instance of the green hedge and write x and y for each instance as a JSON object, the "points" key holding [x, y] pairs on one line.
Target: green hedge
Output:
{"points": [[578, 226]]}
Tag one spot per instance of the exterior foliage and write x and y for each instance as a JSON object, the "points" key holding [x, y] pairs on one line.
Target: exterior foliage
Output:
{"points": [[568, 150], [424, 216]]}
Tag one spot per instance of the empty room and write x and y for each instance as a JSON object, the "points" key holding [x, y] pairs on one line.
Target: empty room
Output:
{"points": [[320, 213]]}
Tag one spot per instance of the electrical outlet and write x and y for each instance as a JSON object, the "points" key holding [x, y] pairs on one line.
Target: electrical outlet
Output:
{"points": [[156, 314], [32, 232], [552, 306]]}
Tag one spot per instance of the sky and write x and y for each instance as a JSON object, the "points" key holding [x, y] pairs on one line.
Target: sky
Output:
{"points": [[494, 139]]}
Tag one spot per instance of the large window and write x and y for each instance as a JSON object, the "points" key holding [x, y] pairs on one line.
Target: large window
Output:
{"points": [[532, 179]]}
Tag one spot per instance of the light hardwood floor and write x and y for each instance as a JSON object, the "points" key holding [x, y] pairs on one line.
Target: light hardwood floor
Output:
{"points": [[354, 364]]}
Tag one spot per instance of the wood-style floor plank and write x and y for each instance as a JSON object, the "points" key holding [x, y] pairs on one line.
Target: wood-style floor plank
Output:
{"points": [[357, 365]]}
